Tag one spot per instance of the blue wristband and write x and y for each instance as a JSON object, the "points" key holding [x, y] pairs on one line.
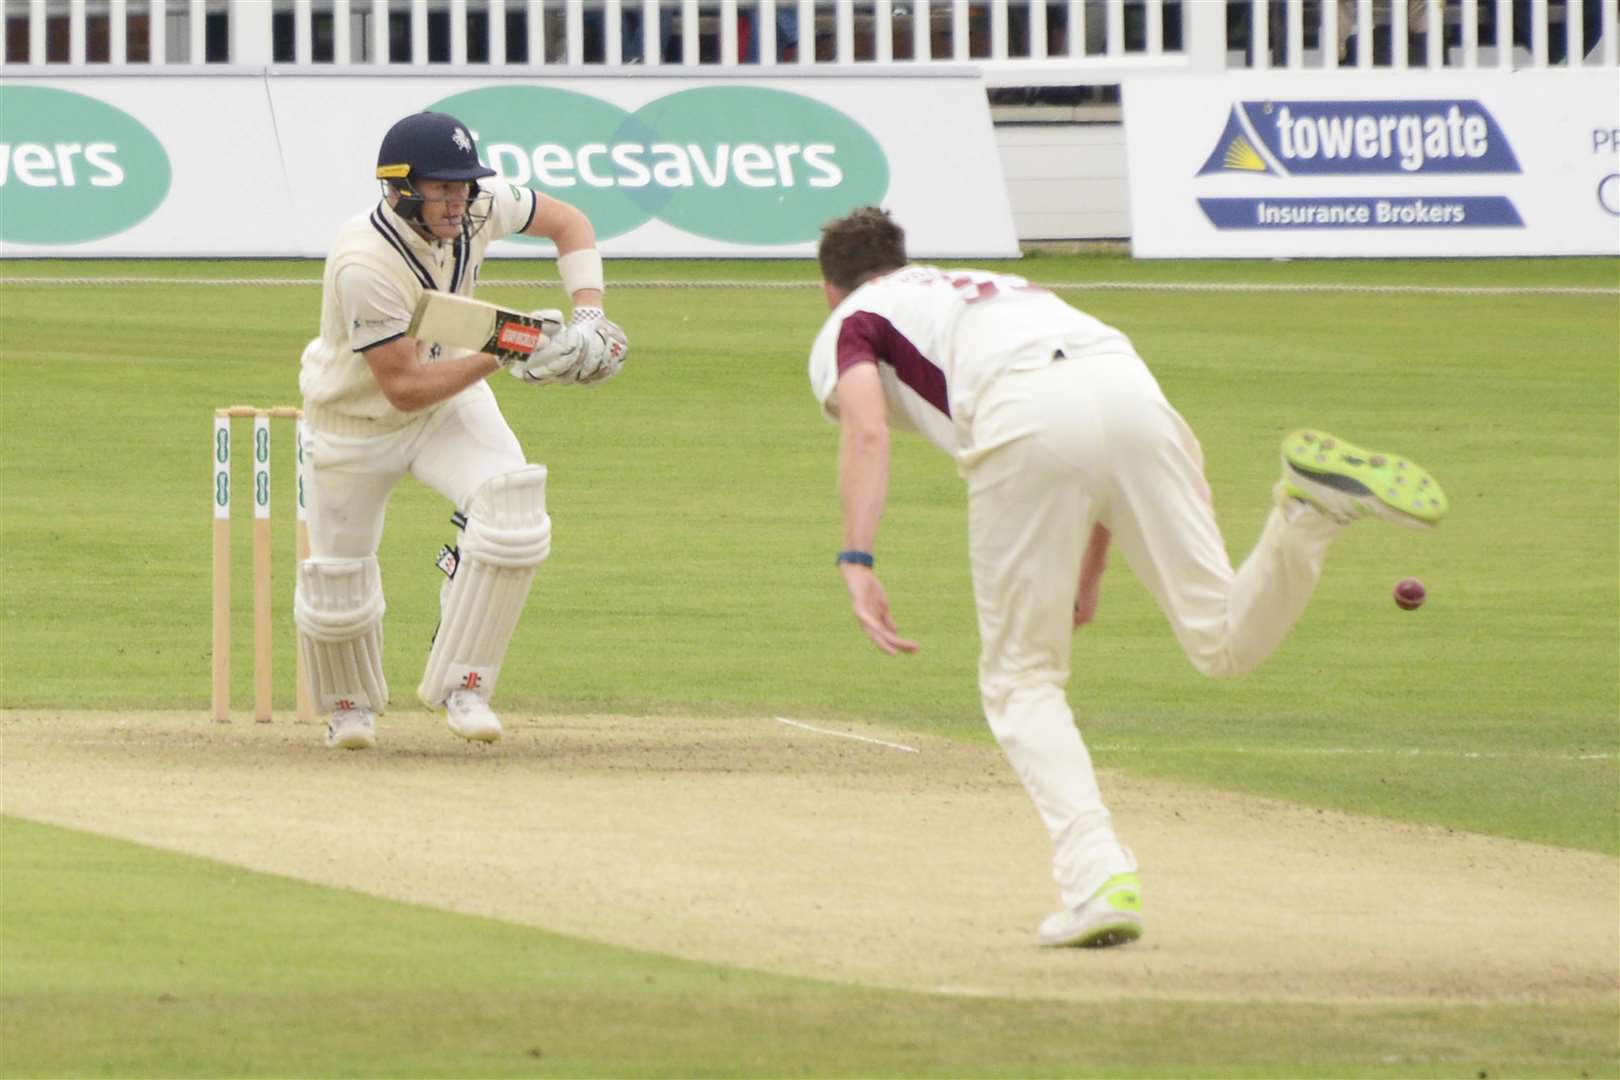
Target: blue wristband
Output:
{"points": [[859, 558]]}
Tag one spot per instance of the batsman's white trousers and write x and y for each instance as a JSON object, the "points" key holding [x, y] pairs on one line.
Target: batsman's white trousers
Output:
{"points": [[454, 450], [1059, 448]]}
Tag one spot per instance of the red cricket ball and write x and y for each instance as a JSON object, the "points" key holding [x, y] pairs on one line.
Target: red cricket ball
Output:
{"points": [[1410, 593]]}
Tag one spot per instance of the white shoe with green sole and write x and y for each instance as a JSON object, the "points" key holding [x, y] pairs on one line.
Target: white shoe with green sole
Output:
{"points": [[1111, 916]]}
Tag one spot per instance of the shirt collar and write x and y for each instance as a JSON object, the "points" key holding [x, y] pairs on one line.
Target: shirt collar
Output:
{"points": [[411, 237]]}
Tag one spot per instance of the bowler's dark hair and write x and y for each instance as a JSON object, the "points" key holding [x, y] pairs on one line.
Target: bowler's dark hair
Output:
{"points": [[860, 245]]}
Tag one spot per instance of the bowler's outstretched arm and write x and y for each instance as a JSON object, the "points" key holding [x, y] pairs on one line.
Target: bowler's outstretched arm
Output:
{"points": [[863, 489]]}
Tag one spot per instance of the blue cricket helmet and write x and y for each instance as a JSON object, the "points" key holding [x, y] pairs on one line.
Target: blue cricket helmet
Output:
{"points": [[429, 146]]}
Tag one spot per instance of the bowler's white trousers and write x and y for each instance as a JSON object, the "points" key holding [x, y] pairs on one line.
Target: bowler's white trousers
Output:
{"points": [[1085, 440], [454, 450]]}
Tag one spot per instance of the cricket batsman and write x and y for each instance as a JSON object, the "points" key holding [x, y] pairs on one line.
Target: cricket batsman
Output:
{"points": [[1068, 446], [379, 404]]}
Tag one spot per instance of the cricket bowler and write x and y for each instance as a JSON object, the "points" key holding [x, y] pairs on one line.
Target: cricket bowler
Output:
{"points": [[1068, 446]]}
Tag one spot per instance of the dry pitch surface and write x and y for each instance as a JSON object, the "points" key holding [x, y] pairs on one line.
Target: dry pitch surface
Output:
{"points": [[754, 843]]}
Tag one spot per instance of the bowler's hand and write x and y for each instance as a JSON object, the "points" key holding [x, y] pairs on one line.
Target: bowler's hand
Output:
{"points": [[1085, 602], [1092, 565], [871, 605]]}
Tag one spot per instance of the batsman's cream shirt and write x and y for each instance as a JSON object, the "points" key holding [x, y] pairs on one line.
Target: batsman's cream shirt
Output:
{"points": [[940, 337], [379, 267]]}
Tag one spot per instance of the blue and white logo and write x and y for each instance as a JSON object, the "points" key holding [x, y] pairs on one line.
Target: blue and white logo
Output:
{"points": [[1295, 145], [1361, 138]]}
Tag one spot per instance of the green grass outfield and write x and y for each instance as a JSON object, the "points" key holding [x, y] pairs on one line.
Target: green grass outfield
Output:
{"points": [[695, 518]]}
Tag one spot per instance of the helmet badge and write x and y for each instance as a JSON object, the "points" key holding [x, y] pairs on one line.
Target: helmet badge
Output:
{"points": [[459, 137]]}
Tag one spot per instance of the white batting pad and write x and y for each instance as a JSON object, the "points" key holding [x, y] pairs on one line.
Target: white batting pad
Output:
{"points": [[339, 608], [507, 535]]}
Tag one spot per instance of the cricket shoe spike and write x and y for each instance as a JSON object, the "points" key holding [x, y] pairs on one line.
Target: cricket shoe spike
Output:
{"points": [[1110, 916], [471, 717], [1346, 482], [351, 729]]}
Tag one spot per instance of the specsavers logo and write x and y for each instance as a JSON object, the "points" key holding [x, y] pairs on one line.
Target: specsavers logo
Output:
{"points": [[73, 168], [1361, 138], [743, 164]]}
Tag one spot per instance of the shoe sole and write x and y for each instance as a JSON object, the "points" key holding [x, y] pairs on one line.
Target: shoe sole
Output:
{"points": [[351, 742], [1120, 931], [484, 735], [1387, 485], [1113, 935], [479, 736]]}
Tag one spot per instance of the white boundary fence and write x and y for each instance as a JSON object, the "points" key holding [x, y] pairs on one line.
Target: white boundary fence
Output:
{"points": [[1014, 42]]}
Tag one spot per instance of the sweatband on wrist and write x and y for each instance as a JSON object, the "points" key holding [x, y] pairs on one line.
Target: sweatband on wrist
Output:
{"points": [[580, 270], [859, 558]]}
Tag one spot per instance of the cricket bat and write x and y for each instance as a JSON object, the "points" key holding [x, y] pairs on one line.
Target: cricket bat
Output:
{"points": [[465, 323]]}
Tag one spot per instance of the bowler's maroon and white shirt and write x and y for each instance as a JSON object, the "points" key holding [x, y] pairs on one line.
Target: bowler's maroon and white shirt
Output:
{"points": [[940, 337]]}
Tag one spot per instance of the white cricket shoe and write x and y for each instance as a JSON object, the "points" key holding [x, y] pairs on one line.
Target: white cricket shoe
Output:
{"points": [[470, 717], [1110, 916], [351, 729]]}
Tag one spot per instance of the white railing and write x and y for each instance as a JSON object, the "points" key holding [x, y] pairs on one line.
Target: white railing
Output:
{"points": [[1015, 42]]}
